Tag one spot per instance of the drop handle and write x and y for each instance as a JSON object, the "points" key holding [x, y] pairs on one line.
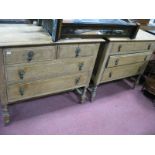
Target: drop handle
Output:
{"points": [[149, 47], [21, 91], [77, 52], [81, 66], [77, 80], [119, 48], [110, 74], [30, 56], [116, 62], [21, 74]]}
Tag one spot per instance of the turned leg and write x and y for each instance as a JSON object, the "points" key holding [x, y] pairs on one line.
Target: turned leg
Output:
{"points": [[93, 93], [137, 81], [5, 114], [83, 95], [81, 92]]}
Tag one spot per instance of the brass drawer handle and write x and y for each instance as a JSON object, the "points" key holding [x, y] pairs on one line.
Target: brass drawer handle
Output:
{"points": [[77, 80], [77, 52], [21, 91], [81, 66], [116, 61], [110, 74], [30, 56], [149, 47], [119, 48], [21, 74]]}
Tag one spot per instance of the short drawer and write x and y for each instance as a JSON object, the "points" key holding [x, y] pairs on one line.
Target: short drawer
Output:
{"points": [[117, 60], [121, 72], [129, 47], [77, 50], [59, 67], [44, 87], [29, 54]]}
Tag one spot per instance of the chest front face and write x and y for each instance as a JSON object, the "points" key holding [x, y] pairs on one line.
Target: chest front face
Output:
{"points": [[124, 59], [34, 71]]}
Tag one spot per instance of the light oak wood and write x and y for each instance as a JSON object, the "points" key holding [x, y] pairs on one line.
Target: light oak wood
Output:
{"points": [[89, 49], [23, 34], [45, 87], [3, 90], [131, 47], [70, 51], [48, 69], [33, 66], [117, 60], [46, 72], [67, 51], [100, 64], [79, 40], [20, 54], [120, 72], [121, 58]]}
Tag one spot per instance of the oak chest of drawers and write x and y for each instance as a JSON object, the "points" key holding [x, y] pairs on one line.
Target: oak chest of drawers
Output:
{"points": [[29, 71], [121, 58]]}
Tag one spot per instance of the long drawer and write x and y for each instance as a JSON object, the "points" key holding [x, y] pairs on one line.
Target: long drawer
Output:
{"points": [[129, 47], [29, 54], [117, 60], [121, 72], [44, 87], [77, 50], [59, 67]]}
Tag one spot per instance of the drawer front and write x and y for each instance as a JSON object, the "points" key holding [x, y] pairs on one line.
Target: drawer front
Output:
{"points": [[29, 54], [127, 47], [44, 87], [121, 72], [20, 73], [77, 50], [117, 60]]}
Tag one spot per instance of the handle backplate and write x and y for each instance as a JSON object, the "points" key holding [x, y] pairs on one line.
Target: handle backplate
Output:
{"points": [[81, 66], [149, 47], [77, 52], [30, 55], [116, 61], [119, 48], [21, 74], [77, 80], [21, 90], [110, 74]]}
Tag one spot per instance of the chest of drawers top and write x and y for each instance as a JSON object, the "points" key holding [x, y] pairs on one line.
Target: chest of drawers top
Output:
{"points": [[22, 34]]}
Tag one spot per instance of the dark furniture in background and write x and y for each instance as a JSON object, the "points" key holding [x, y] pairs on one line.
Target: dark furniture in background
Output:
{"points": [[82, 28], [141, 21], [149, 84], [90, 28]]}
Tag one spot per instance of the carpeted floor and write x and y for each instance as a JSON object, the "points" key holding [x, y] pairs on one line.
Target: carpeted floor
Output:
{"points": [[118, 109]]}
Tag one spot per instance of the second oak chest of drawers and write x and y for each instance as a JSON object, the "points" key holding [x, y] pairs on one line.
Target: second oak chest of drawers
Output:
{"points": [[121, 58]]}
